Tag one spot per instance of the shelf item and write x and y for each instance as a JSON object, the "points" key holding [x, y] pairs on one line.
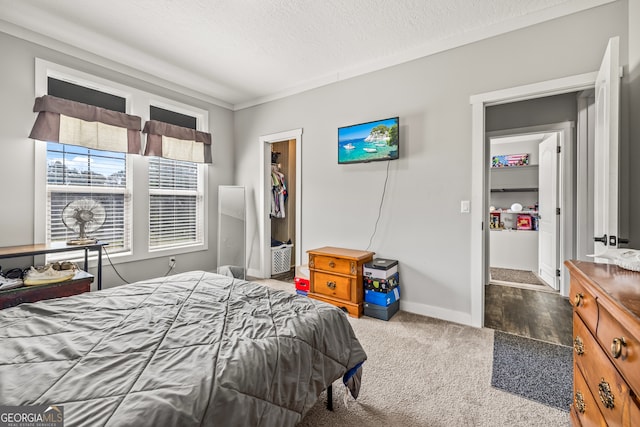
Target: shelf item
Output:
{"points": [[336, 277], [42, 249]]}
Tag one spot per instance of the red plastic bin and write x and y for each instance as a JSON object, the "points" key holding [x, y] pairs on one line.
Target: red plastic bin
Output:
{"points": [[302, 284]]}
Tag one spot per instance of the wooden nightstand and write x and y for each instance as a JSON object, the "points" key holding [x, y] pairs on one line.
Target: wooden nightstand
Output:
{"points": [[80, 283], [336, 277]]}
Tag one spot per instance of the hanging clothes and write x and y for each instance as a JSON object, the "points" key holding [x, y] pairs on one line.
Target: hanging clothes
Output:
{"points": [[278, 192]]}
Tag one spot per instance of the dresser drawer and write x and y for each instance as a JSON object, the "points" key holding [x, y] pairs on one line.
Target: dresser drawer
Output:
{"points": [[584, 303], [623, 347], [610, 391], [584, 404], [333, 265], [332, 286]]}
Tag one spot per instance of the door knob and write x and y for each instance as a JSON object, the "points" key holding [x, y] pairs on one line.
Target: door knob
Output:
{"points": [[602, 239]]}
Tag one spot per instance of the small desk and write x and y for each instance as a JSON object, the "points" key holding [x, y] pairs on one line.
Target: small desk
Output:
{"points": [[43, 248]]}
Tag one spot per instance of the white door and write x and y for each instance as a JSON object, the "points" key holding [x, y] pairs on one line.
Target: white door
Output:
{"points": [[548, 224], [605, 216]]}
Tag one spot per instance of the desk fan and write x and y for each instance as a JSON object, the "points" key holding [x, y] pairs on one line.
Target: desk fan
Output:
{"points": [[83, 216]]}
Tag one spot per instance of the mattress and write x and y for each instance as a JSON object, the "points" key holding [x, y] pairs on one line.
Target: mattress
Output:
{"points": [[193, 349]]}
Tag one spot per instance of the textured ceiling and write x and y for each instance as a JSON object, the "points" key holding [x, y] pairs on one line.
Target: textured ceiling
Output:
{"points": [[246, 51]]}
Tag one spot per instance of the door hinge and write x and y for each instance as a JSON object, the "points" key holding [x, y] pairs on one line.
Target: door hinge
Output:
{"points": [[557, 272], [557, 211], [559, 149]]}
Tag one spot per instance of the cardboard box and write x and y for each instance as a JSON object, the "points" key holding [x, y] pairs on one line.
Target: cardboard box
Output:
{"points": [[381, 285], [303, 293], [380, 312], [380, 268], [381, 298]]}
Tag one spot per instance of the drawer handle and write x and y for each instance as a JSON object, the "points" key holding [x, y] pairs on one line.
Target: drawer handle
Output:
{"points": [[604, 390], [577, 300], [616, 347], [332, 264], [578, 346], [579, 400], [331, 285]]}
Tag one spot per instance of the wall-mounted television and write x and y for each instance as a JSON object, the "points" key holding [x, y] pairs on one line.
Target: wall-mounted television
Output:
{"points": [[369, 142]]}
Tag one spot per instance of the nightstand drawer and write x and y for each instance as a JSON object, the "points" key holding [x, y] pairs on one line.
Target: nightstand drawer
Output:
{"points": [[331, 285], [333, 265]]}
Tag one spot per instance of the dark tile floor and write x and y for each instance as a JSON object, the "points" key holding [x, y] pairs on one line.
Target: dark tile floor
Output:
{"points": [[545, 316]]}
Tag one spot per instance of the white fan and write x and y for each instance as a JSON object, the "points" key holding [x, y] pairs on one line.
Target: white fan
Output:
{"points": [[83, 216]]}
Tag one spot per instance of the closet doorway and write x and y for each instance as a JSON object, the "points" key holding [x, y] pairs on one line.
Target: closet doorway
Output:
{"points": [[280, 235], [525, 183]]}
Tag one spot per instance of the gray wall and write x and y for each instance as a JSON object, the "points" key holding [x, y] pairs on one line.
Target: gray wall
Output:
{"points": [[421, 224], [17, 154]]}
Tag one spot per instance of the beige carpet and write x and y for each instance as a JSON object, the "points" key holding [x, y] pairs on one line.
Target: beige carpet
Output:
{"points": [[423, 372]]}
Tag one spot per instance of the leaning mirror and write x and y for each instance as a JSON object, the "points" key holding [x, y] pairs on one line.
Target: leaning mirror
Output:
{"points": [[231, 231]]}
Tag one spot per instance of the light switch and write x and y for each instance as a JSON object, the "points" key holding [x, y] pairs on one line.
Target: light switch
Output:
{"points": [[465, 206]]}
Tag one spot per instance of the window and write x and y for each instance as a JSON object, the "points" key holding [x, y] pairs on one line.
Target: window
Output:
{"points": [[176, 196], [169, 214], [175, 203], [75, 172]]}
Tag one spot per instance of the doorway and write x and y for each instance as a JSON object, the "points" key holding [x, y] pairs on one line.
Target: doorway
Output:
{"points": [[606, 81], [282, 151], [524, 201]]}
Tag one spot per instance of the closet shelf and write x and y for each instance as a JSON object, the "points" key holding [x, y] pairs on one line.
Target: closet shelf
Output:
{"points": [[514, 190]]}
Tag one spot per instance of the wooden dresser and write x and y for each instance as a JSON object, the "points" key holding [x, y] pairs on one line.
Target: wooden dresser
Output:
{"points": [[336, 277], [606, 334]]}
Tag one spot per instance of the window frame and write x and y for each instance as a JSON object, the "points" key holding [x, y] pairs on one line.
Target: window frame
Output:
{"points": [[137, 103]]}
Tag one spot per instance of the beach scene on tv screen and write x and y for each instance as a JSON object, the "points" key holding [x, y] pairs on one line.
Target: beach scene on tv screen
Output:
{"points": [[368, 141]]}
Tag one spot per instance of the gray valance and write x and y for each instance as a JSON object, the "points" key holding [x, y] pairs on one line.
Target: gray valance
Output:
{"points": [[177, 142], [75, 123]]}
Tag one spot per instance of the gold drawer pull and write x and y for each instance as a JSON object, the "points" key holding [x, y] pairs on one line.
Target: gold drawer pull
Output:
{"points": [[578, 346], [332, 264], [616, 347], [577, 300], [604, 390], [331, 285], [579, 400]]}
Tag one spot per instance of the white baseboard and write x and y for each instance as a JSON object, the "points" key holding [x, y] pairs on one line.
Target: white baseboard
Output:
{"points": [[436, 312], [254, 272]]}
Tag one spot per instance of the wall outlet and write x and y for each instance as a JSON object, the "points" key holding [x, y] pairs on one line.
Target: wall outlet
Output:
{"points": [[172, 261]]}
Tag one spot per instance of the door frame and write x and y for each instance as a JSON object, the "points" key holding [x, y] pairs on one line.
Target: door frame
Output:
{"points": [[265, 208], [480, 171]]}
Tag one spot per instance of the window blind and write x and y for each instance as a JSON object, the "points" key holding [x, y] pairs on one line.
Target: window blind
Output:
{"points": [[175, 203]]}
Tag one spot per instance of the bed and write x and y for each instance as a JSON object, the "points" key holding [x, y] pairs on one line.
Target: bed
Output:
{"points": [[193, 349]]}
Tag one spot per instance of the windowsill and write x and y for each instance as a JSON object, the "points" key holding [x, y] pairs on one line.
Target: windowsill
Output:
{"points": [[127, 257]]}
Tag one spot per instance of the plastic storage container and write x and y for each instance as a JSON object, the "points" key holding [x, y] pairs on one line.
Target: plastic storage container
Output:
{"points": [[280, 259]]}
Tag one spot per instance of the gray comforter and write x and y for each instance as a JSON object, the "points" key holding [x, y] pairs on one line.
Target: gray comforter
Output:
{"points": [[191, 349]]}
